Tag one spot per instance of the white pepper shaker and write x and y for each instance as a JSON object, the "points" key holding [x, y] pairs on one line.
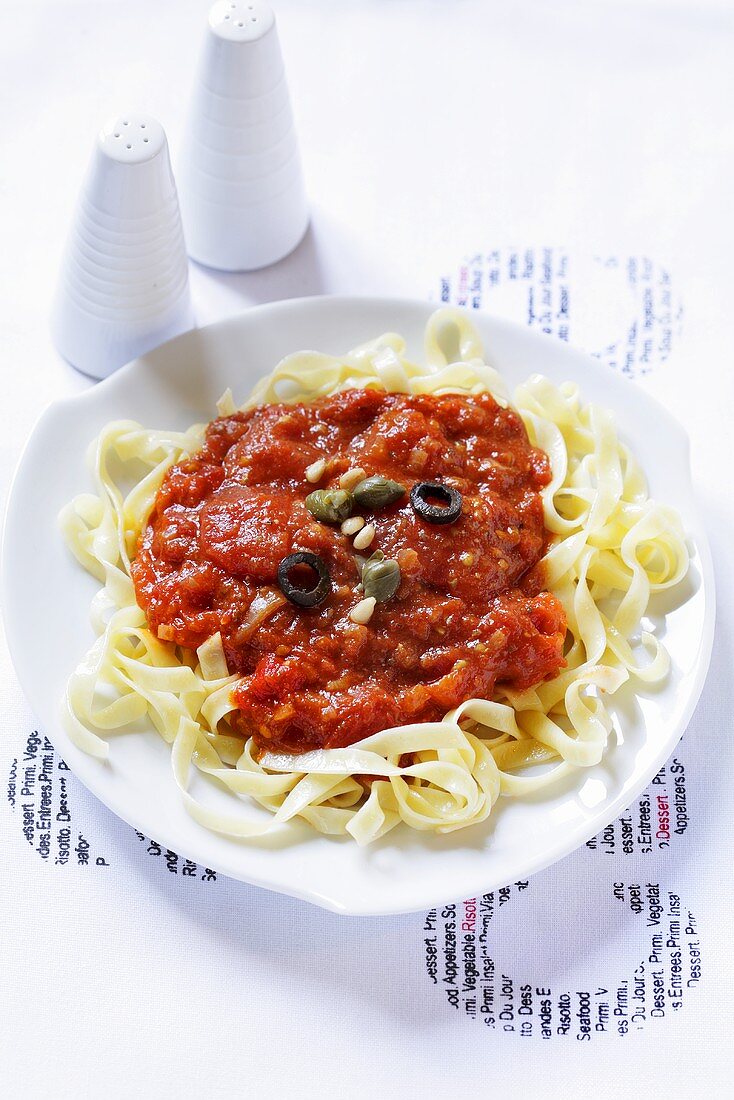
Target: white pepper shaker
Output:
{"points": [[123, 286], [240, 181]]}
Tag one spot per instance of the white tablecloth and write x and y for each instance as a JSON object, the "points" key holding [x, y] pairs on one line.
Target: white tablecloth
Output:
{"points": [[564, 164]]}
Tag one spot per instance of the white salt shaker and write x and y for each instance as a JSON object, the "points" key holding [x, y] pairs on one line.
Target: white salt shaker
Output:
{"points": [[124, 285], [240, 182]]}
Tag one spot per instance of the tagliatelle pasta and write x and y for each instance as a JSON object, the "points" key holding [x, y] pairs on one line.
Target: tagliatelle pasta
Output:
{"points": [[611, 548]]}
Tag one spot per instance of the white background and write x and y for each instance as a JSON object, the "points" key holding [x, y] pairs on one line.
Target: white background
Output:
{"points": [[429, 130]]}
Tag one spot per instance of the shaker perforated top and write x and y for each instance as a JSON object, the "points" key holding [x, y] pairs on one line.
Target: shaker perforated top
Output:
{"points": [[241, 20], [132, 138]]}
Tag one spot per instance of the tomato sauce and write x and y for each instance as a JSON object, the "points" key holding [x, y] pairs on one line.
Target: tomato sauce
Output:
{"points": [[470, 612]]}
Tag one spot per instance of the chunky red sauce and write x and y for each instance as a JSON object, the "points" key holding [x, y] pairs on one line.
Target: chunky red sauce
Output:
{"points": [[470, 611]]}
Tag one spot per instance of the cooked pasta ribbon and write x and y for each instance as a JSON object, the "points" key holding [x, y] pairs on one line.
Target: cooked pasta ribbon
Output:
{"points": [[612, 548]]}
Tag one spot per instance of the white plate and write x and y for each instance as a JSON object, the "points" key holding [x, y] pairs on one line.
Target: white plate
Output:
{"points": [[47, 596]]}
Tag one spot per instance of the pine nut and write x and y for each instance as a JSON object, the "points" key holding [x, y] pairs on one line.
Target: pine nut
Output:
{"points": [[352, 525], [362, 613], [365, 537], [351, 478], [315, 471]]}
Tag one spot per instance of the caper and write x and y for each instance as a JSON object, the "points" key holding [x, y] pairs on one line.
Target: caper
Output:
{"points": [[380, 578], [361, 561], [330, 505], [378, 492]]}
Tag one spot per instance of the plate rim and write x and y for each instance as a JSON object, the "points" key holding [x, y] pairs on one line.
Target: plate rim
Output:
{"points": [[583, 830]]}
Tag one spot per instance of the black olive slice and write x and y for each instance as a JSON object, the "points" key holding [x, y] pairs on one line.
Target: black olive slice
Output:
{"points": [[304, 597], [424, 493]]}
